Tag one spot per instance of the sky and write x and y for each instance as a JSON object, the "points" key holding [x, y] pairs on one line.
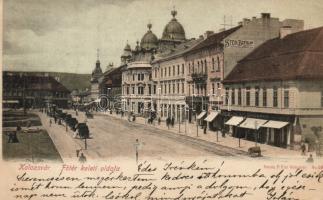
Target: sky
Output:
{"points": [[64, 35]]}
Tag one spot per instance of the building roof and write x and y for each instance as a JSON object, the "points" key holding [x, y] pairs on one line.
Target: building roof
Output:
{"points": [[215, 39], [33, 82], [173, 30], [177, 51], [296, 56], [149, 40]]}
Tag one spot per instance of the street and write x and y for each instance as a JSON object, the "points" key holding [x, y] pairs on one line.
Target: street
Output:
{"points": [[112, 138]]}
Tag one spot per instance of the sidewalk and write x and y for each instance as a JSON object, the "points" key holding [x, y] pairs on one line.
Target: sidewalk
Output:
{"points": [[211, 136], [64, 141]]}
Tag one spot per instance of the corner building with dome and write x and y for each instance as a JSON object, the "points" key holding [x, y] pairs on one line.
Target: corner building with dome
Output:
{"points": [[138, 88]]}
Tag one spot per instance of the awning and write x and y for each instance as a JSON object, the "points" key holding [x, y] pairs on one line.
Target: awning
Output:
{"points": [[252, 123], [234, 121], [10, 101], [211, 116], [201, 115], [97, 101], [275, 124]]}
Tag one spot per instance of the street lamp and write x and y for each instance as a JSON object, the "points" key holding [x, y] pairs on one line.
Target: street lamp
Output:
{"points": [[22, 75], [256, 133]]}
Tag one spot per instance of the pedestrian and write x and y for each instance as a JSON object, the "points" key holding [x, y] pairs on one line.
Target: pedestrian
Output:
{"points": [[134, 118], [204, 129], [310, 159], [167, 122], [159, 120], [76, 113], [303, 148], [137, 148], [50, 122], [77, 152], [173, 121], [55, 119], [82, 158]]}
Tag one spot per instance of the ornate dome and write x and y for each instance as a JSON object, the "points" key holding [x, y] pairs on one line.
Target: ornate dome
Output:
{"points": [[127, 47], [149, 40], [173, 30]]}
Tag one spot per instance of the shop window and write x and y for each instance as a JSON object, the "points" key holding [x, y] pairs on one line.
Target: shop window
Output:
{"points": [[239, 96], [286, 98], [264, 97], [257, 96], [226, 96], [275, 97], [233, 96], [248, 96]]}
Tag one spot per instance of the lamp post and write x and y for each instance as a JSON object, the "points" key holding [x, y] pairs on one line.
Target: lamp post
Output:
{"points": [[109, 97], [22, 75], [256, 133]]}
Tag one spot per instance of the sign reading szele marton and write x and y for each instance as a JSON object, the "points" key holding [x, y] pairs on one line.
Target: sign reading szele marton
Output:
{"points": [[229, 43]]}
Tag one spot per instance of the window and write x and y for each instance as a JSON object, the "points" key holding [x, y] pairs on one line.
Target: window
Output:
{"points": [[257, 96], [169, 69], [189, 68], [133, 90], [161, 89], [169, 88], [202, 66], [154, 89], [165, 72], [213, 89], [127, 90], [161, 72], [182, 88], [177, 88], [149, 89], [173, 70], [233, 96], [177, 69], [139, 77], [264, 97], [133, 77], [183, 69], [213, 64], [174, 88], [239, 96], [248, 96], [218, 64], [286, 98], [275, 97], [193, 67]]}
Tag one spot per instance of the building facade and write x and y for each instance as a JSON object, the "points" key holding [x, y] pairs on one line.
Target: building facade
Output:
{"points": [[277, 91], [139, 90], [33, 90]]}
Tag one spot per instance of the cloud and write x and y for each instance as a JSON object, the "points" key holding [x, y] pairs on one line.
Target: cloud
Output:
{"points": [[63, 35]]}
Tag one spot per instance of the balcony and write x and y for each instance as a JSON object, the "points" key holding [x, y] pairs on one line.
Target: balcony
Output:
{"points": [[199, 77]]}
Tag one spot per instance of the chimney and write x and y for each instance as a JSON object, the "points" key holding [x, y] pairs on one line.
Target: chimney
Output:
{"points": [[208, 33], [285, 30], [245, 21], [240, 23], [254, 19], [201, 37], [265, 15]]}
